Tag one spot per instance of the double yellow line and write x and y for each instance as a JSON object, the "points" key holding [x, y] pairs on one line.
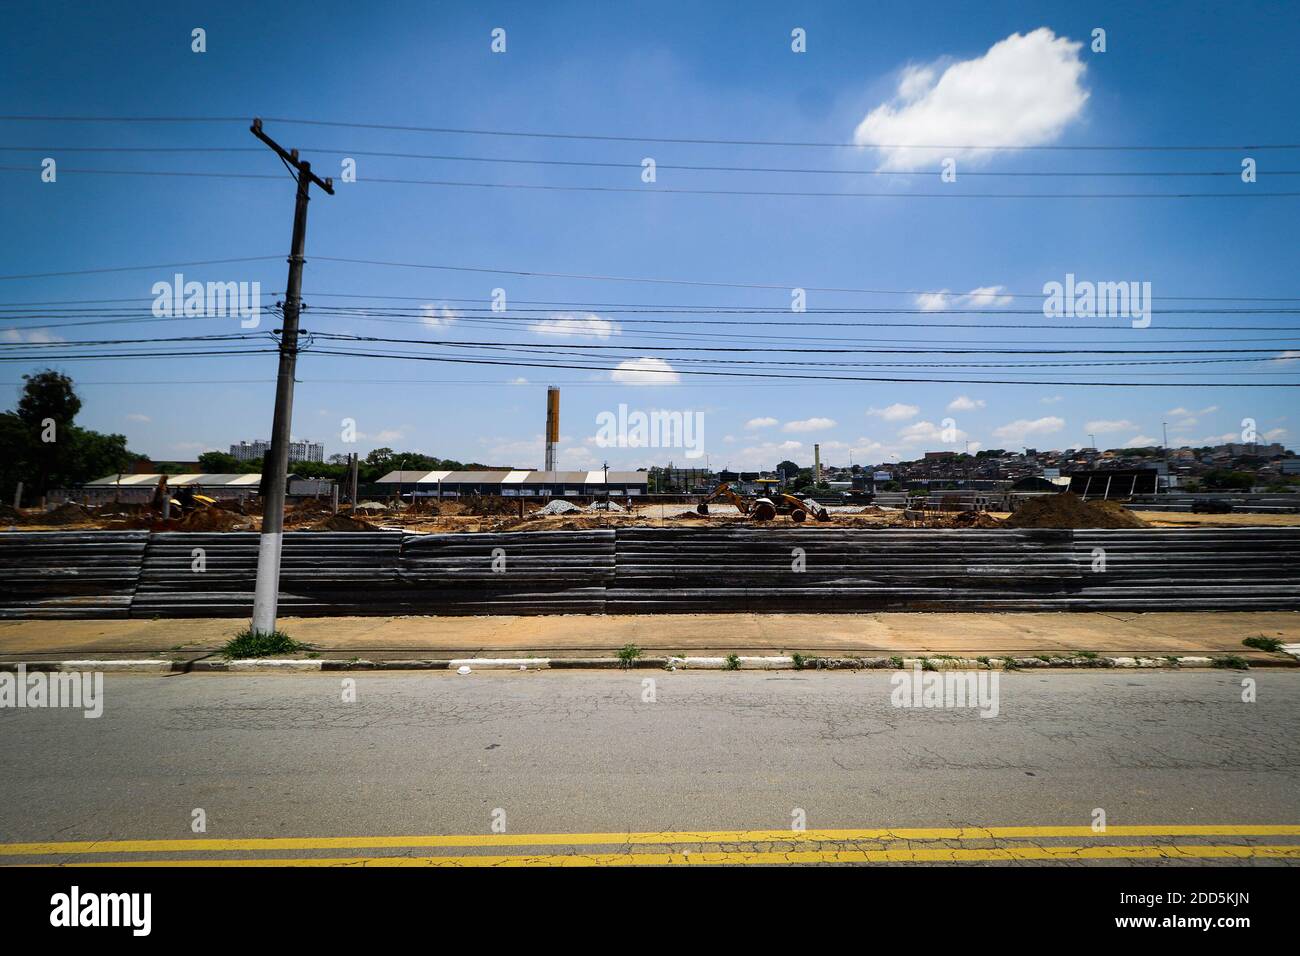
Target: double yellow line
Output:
{"points": [[793, 843]]}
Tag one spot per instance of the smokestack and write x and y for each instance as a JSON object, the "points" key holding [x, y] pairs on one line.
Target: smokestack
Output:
{"points": [[817, 464], [552, 425]]}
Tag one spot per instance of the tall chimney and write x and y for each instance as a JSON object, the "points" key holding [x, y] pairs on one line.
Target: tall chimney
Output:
{"points": [[552, 425], [817, 464]]}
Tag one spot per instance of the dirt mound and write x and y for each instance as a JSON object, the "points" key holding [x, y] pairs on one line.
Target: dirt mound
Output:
{"points": [[68, 513], [306, 512], [1068, 510], [488, 505], [975, 519], [342, 523], [213, 519]]}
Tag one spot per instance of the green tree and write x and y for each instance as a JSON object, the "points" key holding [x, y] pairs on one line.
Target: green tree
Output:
{"points": [[45, 449], [218, 463]]}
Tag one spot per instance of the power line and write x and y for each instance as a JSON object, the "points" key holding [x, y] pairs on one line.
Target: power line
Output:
{"points": [[164, 265], [786, 287], [822, 378], [688, 167], [681, 191], [928, 350], [605, 137]]}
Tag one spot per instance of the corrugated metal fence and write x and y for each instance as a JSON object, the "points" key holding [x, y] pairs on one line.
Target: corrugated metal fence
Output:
{"points": [[100, 574]]}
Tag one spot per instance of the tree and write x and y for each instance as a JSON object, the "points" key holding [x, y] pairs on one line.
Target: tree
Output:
{"points": [[48, 394], [789, 467], [218, 463], [44, 449], [47, 407]]}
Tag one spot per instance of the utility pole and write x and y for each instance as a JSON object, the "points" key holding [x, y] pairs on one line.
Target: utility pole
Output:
{"points": [[1165, 433], [275, 467]]}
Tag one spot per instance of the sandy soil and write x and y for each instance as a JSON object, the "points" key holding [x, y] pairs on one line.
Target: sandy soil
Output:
{"points": [[456, 517]]}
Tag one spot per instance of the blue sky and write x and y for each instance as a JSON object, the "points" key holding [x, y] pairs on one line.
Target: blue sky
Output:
{"points": [[1170, 75]]}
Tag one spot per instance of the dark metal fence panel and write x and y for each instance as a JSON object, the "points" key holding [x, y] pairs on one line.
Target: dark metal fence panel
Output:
{"points": [[345, 572], [92, 574], [69, 574]]}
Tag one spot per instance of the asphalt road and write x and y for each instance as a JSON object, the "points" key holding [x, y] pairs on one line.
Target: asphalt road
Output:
{"points": [[573, 753]]}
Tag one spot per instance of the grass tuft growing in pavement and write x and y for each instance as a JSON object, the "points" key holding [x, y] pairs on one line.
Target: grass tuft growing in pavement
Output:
{"points": [[1263, 643], [1232, 662], [250, 643], [733, 662], [628, 653], [799, 661]]}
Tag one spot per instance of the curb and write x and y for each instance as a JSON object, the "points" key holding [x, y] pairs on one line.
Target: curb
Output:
{"points": [[276, 665]]}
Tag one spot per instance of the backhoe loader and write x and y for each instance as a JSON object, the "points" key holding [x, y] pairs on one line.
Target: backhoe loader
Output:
{"points": [[799, 510], [760, 509]]}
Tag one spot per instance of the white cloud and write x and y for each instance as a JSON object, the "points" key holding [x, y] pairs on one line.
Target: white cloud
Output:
{"points": [[1052, 399], [930, 433], [760, 423], [1023, 92], [1140, 441], [32, 335], [645, 371], [932, 301], [576, 325], [1288, 356], [897, 412], [987, 297], [437, 315], [519, 381], [964, 403], [1103, 427], [983, 297], [809, 425], [1023, 428], [137, 417], [1273, 434]]}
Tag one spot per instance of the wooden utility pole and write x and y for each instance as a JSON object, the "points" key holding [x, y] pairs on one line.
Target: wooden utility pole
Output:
{"points": [[275, 467]]}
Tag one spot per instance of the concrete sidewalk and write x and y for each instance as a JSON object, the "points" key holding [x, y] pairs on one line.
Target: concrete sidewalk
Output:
{"points": [[962, 635]]}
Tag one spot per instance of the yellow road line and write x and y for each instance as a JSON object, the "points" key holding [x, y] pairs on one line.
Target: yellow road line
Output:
{"points": [[641, 839], [956, 855]]}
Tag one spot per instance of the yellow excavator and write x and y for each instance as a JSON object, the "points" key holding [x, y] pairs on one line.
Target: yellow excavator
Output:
{"points": [[760, 509], [799, 510], [765, 509], [186, 499]]}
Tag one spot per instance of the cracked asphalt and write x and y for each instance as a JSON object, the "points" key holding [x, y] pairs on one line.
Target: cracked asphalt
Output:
{"points": [[435, 753]]}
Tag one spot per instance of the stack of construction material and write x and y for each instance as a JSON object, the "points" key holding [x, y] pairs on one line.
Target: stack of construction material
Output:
{"points": [[1189, 569], [69, 574], [213, 575], [776, 569], [543, 572]]}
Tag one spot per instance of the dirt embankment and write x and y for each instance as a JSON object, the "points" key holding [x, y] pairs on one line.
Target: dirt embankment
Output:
{"points": [[1068, 510]]}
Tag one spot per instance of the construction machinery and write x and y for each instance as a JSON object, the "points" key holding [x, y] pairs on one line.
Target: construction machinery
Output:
{"points": [[800, 510], [765, 509], [760, 509], [185, 501]]}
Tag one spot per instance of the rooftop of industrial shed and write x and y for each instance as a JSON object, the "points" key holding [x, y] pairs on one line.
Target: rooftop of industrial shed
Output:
{"points": [[173, 481], [518, 477]]}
